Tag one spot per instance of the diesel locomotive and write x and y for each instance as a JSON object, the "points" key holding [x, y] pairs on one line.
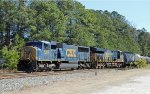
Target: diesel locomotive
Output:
{"points": [[45, 55]]}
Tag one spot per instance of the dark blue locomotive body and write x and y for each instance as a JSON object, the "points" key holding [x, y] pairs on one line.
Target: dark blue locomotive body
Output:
{"points": [[84, 57], [43, 55], [45, 51], [38, 55], [83, 54], [67, 55]]}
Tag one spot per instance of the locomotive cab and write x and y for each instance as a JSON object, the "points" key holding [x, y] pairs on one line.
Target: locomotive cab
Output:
{"points": [[37, 55]]}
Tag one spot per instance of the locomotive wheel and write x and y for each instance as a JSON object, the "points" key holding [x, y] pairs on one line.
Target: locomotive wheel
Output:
{"points": [[51, 69], [29, 67]]}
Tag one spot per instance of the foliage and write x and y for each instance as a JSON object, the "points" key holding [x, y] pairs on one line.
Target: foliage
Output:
{"points": [[10, 58], [48, 22], [141, 63], [18, 43], [143, 40]]}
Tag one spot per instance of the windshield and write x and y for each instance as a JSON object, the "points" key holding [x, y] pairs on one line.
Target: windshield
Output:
{"points": [[34, 44]]}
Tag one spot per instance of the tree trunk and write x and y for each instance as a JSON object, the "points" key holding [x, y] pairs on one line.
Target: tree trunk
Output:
{"points": [[8, 37]]}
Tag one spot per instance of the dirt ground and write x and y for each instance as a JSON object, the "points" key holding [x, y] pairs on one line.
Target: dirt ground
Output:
{"points": [[101, 83]]}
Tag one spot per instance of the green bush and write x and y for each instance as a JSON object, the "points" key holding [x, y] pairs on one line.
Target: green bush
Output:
{"points": [[10, 58], [141, 63]]}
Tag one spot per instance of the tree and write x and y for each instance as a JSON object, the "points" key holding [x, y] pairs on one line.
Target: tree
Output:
{"points": [[47, 19], [8, 21], [143, 40]]}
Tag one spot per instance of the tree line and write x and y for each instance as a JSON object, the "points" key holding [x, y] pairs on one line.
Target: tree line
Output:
{"points": [[65, 21]]}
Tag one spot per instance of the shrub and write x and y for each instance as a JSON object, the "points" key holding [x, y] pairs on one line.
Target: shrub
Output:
{"points": [[141, 63], [10, 58]]}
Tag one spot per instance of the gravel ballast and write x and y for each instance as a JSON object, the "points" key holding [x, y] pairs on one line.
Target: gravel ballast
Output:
{"points": [[75, 82], [21, 83]]}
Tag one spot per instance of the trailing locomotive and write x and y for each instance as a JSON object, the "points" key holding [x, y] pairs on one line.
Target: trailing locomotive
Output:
{"points": [[44, 55]]}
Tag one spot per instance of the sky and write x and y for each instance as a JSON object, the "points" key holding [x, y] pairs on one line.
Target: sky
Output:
{"points": [[137, 12]]}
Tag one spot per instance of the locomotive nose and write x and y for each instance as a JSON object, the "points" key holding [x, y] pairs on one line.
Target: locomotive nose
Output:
{"points": [[29, 53]]}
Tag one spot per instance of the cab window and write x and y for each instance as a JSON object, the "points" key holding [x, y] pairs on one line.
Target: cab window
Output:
{"points": [[34, 44], [53, 46], [46, 47], [118, 55]]}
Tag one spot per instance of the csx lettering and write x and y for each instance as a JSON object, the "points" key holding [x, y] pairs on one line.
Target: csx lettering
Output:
{"points": [[70, 53]]}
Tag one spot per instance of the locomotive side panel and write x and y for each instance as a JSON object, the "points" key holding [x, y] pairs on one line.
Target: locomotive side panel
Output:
{"points": [[68, 55], [84, 57], [83, 54], [107, 56], [129, 57]]}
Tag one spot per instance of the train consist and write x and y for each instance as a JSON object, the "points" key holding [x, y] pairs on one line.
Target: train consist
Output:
{"points": [[44, 55]]}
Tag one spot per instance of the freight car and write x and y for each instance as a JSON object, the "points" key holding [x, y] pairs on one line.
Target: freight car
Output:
{"points": [[129, 57], [138, 57], [148, 59], [44, 55]]}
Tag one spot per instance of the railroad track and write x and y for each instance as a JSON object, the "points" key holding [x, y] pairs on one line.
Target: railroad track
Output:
{"points": [[34, 74], [56, 72]]}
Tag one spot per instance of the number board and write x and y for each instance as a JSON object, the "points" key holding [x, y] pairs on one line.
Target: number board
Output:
{"points": [[71, 52]]}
